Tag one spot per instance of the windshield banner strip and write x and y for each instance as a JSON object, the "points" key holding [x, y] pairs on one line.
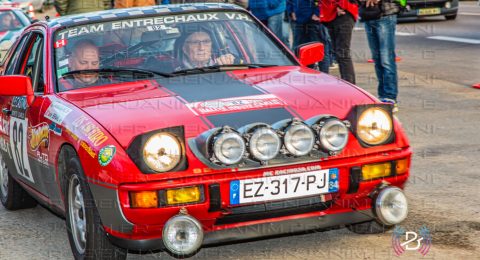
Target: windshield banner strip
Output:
{"points": [[151, 23]]}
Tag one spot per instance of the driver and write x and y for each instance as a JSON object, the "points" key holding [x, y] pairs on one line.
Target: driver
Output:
{"points": [[85, 56], [197, 52], [6, 22]]}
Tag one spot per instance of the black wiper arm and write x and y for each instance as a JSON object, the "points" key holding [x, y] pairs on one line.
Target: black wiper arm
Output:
{"points": [[221, 68], [149, 73], [259, 65]]}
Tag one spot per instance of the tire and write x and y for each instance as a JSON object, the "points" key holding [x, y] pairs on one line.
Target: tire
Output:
{"points": [[370, 227], [451, 17], [86, 235], [12, 195]]}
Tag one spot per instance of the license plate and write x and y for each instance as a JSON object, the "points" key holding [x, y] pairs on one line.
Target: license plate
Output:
{"points": [[284, 186], [429, 11]]}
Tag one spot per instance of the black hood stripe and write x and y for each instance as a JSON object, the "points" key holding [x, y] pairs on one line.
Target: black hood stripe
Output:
{"points": [[222, 85], [237, 120], [208, 86], [288, 108]]}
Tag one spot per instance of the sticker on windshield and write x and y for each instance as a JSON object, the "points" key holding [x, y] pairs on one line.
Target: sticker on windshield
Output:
{"points": [[168, 30], [151, 24], [62, 71], [60, 43], [63, 63]]}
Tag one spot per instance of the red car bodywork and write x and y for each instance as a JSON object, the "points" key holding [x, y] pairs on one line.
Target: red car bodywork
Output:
{"points": [[118, 113]]}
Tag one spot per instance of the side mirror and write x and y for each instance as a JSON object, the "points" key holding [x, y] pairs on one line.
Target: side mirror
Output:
{"points": [[17, 86], [310, 53]]}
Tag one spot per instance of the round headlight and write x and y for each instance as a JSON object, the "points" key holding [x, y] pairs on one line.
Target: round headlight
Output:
{"points": [[333, 135], [391, 206], [182, 235], [299, 139], [374, 126], [229, 148], [162, 152], [264, 144]]}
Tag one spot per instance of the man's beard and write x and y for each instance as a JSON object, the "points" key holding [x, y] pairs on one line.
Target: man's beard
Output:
{"points": [[87, 78]]}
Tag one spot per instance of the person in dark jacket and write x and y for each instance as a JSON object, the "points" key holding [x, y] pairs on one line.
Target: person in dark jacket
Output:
{"points": [[339, 16], [270, 13], [306, 27], [381, 40], [133, 3], [242, 3], [65, 7]]}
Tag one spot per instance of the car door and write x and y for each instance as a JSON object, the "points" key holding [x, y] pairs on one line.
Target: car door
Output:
{"points": [[11, 68], [28, 137]]}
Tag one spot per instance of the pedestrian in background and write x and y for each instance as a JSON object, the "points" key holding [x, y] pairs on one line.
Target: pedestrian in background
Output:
{"points": [[270, 13], [242, 3], [133, 3], [306, 27], [65, 7], [340, 16], [380, 17]]}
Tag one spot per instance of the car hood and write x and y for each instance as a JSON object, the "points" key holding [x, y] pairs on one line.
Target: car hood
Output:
{"points": [[204, 101]]}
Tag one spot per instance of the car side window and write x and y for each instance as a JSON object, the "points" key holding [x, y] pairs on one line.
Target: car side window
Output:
{"points": [[32, 65], [11, 68]]}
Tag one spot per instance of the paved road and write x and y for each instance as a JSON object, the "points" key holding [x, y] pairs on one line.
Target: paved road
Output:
{"points": [[423, 53], [441, 115]]}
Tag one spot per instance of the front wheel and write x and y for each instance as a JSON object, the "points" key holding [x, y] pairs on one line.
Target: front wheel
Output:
{"points": [[12, 195], [85, 231]]}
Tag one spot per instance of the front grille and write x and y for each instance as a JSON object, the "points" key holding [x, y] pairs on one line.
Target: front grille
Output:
{"points": [[274, 209]]}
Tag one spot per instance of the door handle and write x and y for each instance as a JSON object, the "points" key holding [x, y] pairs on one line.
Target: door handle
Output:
{"points": [[6, 111]]}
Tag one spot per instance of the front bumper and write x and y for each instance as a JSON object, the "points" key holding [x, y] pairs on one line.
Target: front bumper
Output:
{"points": [[141, 229], [414, 6], [290, 226], [414, 13]]}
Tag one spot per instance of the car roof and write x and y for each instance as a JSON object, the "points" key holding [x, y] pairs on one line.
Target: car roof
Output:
{"points": [[71, 20]]}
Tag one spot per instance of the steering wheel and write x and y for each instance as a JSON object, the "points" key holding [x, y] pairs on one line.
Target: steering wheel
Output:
{"points": [[126, 53]]}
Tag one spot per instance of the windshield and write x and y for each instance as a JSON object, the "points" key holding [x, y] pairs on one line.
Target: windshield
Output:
{"points": [[9, 21], [163, 46]]}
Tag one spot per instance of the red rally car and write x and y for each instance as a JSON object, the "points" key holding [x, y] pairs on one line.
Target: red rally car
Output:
{"points": [[174, 127]]}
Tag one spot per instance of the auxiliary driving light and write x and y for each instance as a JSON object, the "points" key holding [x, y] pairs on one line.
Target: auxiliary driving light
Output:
{"points": [[264, 144], [299, 139], [391, 206], [229, 148], [182, 235], [184, 195], [333, 135]]}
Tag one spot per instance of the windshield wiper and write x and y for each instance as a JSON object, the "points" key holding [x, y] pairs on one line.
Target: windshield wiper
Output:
{"points": [[113, 70], [216, 68]]}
